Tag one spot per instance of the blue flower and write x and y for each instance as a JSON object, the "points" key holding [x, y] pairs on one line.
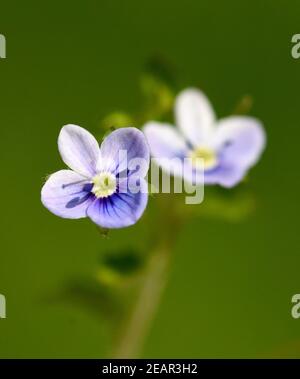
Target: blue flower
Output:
{"points": [[99, 184], [228, 147]]}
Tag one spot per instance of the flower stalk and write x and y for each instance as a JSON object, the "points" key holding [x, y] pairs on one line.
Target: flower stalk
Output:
{"points": [[137, 324], [139, 320]]}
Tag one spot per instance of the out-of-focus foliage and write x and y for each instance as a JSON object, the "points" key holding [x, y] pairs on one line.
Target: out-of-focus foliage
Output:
{"points": [[118, 267], [116, 120]]}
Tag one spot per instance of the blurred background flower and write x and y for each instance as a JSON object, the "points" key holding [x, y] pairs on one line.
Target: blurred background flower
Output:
{"points": [[227, 148]]}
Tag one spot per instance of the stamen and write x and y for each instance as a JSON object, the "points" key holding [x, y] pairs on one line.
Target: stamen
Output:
{"points": [[105, 184], [208, 157]]}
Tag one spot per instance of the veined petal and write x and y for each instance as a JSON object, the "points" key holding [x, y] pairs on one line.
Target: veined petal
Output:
{"points": [[119, 210], [194, 116], [239, 140], [67, 194], [121, 147], [79, 149], [164, 140]]}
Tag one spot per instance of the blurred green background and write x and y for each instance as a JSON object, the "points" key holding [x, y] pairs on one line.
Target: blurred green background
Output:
{"points": [[234, 269]]}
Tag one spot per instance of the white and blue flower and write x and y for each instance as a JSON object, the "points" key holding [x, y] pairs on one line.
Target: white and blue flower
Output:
{"points": [[228, 148], [98, 184]]}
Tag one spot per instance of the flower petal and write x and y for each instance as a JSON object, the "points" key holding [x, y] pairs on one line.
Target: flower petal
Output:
{"points": [[240, 140], [67, 194], [129, 140], [119, 210], [195, 116], [164, 140], [226, 175], [168, 148], [79, 149]]}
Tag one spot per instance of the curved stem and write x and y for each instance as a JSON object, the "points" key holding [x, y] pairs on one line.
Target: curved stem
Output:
{"points": [[154, 279], [140, 318]]}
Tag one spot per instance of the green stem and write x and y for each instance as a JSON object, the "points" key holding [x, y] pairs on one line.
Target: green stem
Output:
{"points": [[154, 279], [141, 316]]}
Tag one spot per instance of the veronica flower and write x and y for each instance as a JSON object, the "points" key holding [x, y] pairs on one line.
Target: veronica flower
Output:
{"points": [[97, 186], [228, 147]]}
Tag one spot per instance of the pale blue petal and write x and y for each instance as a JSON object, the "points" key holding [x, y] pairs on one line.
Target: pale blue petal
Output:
{"points": [[195, 116], [225, 175], [168, 148], [119, 210], [164, 140], [130, 141], [67, 194], [79, 150], [239, 141]]}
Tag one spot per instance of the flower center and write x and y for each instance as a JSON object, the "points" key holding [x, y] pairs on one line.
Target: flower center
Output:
{"points": [[208, 156], [105, 184]]}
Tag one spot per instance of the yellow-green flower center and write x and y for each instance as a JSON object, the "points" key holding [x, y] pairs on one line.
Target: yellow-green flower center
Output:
{"points": [[105, 184], [208, 158]]}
